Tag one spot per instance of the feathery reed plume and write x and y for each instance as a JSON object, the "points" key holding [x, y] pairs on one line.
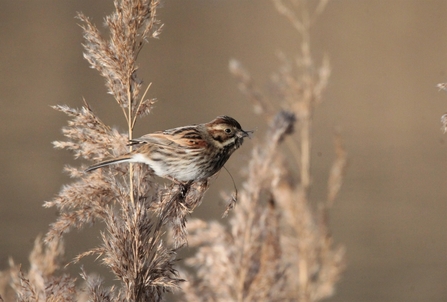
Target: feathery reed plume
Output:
{"points": [[125, 198], [277, 248], [134, 209], [40, 282]]}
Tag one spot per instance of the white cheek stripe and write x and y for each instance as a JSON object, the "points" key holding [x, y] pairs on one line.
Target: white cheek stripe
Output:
{"points": [[228, 142]]}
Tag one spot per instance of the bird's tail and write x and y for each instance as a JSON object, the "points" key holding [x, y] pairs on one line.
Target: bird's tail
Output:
{"points": [[113, 161]]}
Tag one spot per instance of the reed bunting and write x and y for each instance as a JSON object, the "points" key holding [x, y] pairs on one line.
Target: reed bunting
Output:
{"points": [[188, 153]]}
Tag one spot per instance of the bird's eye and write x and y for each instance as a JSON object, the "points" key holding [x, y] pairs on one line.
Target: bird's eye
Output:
{"points": [[227, 130]]}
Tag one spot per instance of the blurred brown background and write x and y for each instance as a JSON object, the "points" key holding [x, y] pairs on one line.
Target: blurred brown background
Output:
{"points": [[387, 57]]}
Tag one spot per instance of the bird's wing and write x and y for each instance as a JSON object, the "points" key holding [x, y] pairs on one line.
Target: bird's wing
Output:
{"points": [[156, 138], [184, 137]]}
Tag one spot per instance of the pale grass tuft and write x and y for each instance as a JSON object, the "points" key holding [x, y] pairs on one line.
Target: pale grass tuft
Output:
{"points": [[93, 289], [338, 169], [442, 86], [278, 248], [39, 283], [115, 58], [88, 137], [260, 104], [176, 207], [244, 264], [124, 198]]}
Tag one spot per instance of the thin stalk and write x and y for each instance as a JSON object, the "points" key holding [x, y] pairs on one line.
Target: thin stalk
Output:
{"points": [[305, 154], [130, 125], [134, 120]]}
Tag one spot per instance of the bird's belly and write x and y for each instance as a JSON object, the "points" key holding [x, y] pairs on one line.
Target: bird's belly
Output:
{"points": [[184, 168], [173, 169]]}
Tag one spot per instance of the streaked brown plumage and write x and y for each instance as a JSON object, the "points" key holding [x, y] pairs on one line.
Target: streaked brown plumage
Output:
{"points": [[188, 153]]}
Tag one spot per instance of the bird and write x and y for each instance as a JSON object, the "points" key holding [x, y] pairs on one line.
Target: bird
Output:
{"points": [[185, 154]]}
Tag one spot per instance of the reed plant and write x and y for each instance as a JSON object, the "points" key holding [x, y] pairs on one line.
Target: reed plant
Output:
{"points": [[275, 245]]}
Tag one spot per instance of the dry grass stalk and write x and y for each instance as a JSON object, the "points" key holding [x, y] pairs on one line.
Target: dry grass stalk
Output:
{"points": [[136, 210], [277, 247]]}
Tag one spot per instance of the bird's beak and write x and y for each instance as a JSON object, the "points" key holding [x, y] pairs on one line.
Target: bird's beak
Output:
{"points": [[243, 134]]}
